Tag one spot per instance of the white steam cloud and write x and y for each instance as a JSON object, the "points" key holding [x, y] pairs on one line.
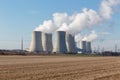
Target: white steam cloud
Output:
{"points": [[78, 37], [75, 23], [46, 27], [92, 36], [60, 18]]}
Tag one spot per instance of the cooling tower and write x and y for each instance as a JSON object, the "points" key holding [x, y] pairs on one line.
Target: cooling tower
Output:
{"points": [[88, 45], [36, 42], [83, 46], [60, 42], [70, 43], [47, 42]]}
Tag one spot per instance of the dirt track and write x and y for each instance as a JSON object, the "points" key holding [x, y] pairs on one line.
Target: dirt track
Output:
{"points": [[59, 68]]}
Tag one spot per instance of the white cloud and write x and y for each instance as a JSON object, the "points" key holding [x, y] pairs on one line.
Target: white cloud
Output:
{"points": [[47, 27], [106, 8]]}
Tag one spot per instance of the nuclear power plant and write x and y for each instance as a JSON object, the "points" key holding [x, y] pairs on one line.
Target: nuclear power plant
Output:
{"points": [[60, 42], [47, 42], [88, 47], [63, 43], [36, 42], [85, 47], [70, 43]]}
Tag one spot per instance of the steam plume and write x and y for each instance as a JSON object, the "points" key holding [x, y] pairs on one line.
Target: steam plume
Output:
{"points": [[75, 23], [47, 27], [92, 36]]}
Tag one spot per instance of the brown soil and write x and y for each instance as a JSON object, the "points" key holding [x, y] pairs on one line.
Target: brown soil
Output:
{"points": [[59, 68]]}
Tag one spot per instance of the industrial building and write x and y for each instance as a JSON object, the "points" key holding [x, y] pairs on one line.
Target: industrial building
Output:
{"points": [[85, 47], [42, 42], [88, 47], [36, 42], [63, 43], [60, 42], [70, 43], [47, 42]]}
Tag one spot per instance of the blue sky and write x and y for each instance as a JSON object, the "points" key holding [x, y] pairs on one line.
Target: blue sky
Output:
{"points": [[19, 17]]}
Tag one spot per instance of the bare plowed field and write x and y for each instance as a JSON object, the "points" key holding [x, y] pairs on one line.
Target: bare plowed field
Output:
{"points": [[59, 68]]}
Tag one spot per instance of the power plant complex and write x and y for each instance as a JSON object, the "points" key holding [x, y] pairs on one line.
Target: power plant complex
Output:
{"points": [[85, 47], [60, 42], [36, 43], [63, 43]]}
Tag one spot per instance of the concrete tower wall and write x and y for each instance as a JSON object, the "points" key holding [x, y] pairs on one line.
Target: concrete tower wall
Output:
{"points": [[70, 43], [36, 42], [47, 42], [83, 46], [60, 42], [88, 45]]}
